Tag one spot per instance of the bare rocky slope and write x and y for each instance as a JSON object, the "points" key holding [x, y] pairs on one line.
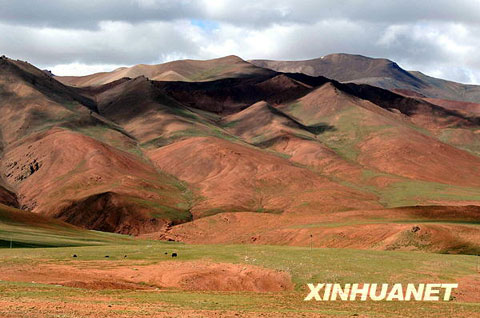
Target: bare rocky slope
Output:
{"points": [[255, 155]]}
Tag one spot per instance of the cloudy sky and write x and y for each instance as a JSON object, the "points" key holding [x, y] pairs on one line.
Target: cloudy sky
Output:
{"points": [[75, 37]]}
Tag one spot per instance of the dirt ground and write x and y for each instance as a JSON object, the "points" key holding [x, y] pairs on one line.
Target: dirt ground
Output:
{"points": [[138, 288], [193, 275], [87, 310]]}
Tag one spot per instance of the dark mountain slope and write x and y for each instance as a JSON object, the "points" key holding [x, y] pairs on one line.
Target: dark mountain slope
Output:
{"points": [[377, 72]]}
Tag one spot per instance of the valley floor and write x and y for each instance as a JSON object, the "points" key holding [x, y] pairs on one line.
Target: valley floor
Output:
{"points": [[138, 279]]}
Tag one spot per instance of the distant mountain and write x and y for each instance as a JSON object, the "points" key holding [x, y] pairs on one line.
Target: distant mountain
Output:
{"points": [[377, 72], [183, 70]]}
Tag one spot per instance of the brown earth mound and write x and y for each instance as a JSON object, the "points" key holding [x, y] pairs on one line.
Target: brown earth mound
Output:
{"points": [[193, 275]]}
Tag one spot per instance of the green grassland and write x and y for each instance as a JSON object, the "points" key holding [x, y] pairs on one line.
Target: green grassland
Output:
{"points": [[23, 229], [463, 138], [350, 129], [304, 264], [409, 192]]}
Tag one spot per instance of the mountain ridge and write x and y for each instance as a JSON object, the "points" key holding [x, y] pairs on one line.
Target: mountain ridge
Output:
{"points": [[379, 72], [146, 157]]}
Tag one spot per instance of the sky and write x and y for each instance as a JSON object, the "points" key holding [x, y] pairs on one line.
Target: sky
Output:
{"points": [[440, 38]]}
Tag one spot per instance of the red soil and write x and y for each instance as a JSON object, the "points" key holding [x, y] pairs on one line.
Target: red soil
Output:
{"points": [[296, 144], [420, 157], [85, 168], [372, 229], [194, 275], [318, 156], [462, 107], [238, 177]]}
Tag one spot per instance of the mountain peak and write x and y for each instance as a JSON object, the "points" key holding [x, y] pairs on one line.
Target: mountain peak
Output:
{"points": [[231, 58], [346, 57], [182, 70]]}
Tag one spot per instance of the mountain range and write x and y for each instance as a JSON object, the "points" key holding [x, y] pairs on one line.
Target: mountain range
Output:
{"points": [[377, 72], [347, 149]]}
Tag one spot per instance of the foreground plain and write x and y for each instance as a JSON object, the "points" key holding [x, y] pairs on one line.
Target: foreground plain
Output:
{"points": [[116, 296]]}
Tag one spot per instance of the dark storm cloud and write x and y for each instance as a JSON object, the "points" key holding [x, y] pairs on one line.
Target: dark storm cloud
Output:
{"points": [[306, 11], [68, 14], [437, 37], [87, 14]]}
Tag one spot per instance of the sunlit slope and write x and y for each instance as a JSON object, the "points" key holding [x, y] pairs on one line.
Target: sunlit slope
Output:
{"points": [[24, 229], [183, 70]]}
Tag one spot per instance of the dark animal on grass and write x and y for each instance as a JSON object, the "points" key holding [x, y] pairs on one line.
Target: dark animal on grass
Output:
{"points": [[174, 255]]}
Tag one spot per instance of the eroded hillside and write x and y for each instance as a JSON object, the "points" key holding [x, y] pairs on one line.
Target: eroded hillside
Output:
{"points": [[136, 151]]}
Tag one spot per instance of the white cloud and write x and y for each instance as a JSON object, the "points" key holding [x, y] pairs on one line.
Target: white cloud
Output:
{"points": [[435, 37], [112, 43], [80, 68]]}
